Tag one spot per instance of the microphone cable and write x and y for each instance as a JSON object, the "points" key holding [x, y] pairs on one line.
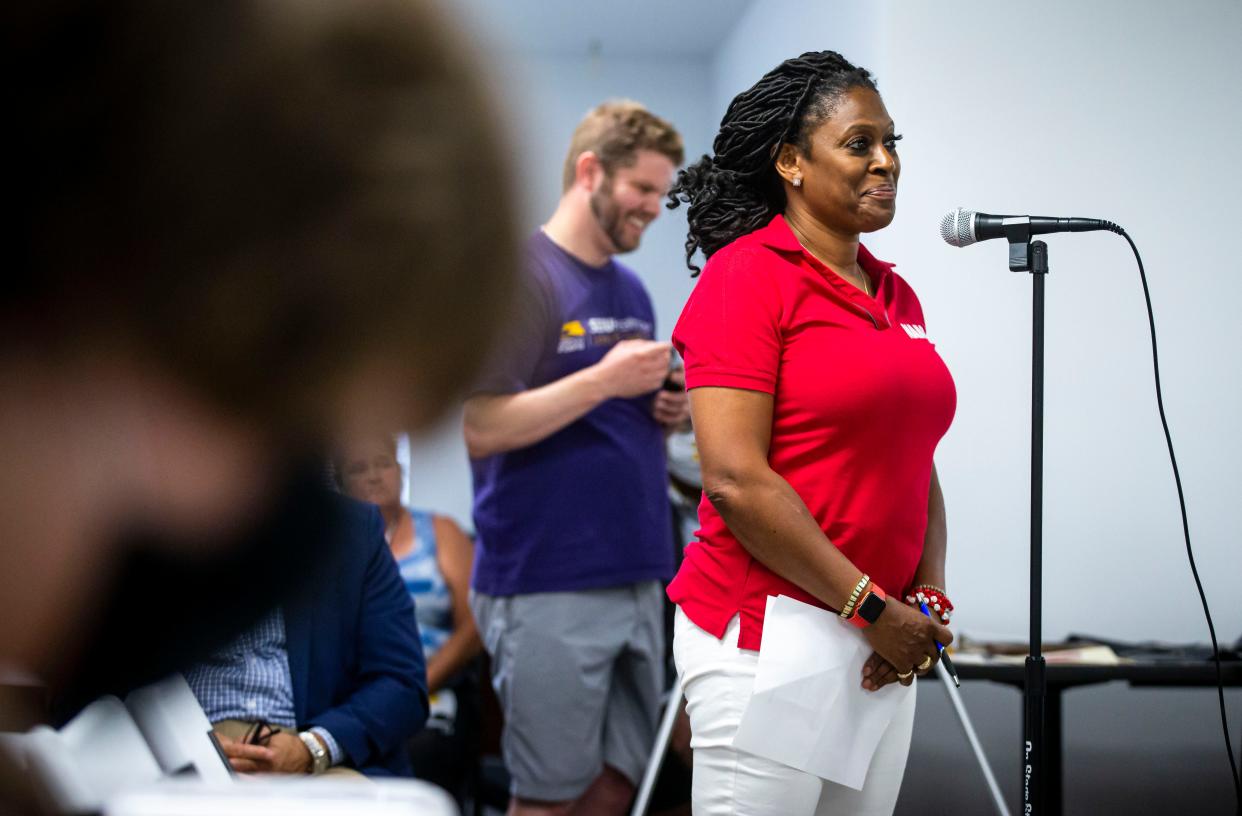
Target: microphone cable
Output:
{"points": [[1181, 501]]}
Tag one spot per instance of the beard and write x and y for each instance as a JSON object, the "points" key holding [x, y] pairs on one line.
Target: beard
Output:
{"points": [[611, 219]]}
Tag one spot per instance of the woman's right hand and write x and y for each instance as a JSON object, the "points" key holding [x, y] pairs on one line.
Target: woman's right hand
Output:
{"points": [[905, 636]]}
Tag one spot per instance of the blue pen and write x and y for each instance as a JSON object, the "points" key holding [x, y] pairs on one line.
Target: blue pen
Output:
{"points": [[944, 658]]}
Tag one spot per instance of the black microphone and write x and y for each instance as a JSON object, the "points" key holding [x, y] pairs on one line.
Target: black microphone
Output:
{"points": [[962, 227]]}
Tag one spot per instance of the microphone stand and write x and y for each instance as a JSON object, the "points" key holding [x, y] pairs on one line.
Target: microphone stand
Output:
{"points": [[1032, 256]]}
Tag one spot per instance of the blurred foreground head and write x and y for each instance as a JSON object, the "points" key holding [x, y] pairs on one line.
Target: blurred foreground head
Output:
{"points": [[263, 200], [244, 228]]}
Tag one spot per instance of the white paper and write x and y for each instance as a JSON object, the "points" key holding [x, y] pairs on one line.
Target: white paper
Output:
{"points": [[808, 709]]}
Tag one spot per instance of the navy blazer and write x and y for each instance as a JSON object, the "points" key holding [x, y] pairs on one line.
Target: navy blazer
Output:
{"points": [[354, 651]]}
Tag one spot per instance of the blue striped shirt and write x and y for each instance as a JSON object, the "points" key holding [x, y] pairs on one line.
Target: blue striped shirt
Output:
{"points": [[249, 680], [420, 570]]}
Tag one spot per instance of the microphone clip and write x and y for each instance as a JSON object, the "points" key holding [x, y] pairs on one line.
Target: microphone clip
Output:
{"points": [[1024, 255]]}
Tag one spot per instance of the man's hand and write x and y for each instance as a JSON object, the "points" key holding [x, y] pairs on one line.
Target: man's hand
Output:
{"points": [[283, 754], [634, 367], [672, 408]]}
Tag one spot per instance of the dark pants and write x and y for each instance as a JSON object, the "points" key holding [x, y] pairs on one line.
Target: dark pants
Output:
{"points": [[446, 751]]}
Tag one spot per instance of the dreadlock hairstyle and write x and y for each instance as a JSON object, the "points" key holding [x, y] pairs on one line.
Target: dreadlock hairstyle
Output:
{"points": [[737, 190]]}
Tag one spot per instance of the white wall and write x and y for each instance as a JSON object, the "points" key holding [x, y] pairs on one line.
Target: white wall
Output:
{"points": [[1119, 110], [772, 31], [545, 97]]}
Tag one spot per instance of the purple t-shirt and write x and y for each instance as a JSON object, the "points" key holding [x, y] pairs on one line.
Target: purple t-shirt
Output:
{"points": [[586, 507]]}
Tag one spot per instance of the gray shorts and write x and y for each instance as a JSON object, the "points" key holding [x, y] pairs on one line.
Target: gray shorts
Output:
{"points": [[579, 676]]}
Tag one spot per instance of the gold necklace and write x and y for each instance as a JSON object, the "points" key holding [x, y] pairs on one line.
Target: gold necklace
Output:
{"points": [[863, 277], [865, 280]]}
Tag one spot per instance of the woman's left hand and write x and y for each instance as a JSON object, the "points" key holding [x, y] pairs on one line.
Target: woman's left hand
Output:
{"points": [[878, 673]]}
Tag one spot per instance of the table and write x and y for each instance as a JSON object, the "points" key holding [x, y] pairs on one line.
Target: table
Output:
{"points": [[1061, 676]]}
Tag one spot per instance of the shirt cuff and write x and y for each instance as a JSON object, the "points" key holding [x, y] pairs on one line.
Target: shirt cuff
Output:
{"points": [[334, 750]]}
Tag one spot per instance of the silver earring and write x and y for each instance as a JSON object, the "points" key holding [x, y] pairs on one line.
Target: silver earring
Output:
{"points": [[797, 182]]}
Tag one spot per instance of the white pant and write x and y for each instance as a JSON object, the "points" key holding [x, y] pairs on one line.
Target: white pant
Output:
{"points": [[717, 678]]}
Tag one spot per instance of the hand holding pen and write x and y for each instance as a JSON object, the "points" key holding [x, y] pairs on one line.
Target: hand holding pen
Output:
{"points": [[944, 657]]}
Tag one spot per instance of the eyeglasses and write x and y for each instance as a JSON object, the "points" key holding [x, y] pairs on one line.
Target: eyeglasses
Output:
{"points": [[260, 733]]}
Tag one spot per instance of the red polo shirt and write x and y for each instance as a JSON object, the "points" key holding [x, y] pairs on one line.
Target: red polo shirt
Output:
{"points": [[860, 400]]}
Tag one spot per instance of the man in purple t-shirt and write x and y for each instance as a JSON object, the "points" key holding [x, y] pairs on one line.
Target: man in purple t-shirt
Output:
{"points": [[566, 438]]}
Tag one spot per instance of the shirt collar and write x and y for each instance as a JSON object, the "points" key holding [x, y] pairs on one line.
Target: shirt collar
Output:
{"points": [[777, 235]]}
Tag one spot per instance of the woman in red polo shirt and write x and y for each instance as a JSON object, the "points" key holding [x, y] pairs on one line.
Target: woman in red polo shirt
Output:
{"points": [[817, 403]]}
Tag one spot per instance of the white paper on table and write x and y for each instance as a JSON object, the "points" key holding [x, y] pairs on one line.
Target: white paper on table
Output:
{"points": [[808, 709]]}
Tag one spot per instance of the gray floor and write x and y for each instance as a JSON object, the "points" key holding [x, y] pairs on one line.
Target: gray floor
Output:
{"points": [[1127, 751]]}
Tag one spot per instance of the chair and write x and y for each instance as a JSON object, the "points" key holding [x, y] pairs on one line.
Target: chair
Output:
{"points": [[99, 753], [177, 730], [110, 747]]}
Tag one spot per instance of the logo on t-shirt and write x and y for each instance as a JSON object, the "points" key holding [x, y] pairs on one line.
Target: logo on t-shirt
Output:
{"points": [[573, 338], [916, 332], [601, 331], [607, 331]]}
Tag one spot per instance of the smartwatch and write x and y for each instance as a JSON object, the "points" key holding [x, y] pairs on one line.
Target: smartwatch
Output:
{"points": [[869, 607]]}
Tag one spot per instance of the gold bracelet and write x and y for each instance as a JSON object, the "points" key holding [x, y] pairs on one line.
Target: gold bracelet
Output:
{"points": [[848, 609]]}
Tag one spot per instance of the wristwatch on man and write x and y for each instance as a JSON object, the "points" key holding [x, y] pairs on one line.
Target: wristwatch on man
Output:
{"points": [[869, 608], [320, 761]]}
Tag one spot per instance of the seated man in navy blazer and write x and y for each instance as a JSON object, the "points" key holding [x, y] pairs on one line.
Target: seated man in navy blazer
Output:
{"points": [[332, 681]]}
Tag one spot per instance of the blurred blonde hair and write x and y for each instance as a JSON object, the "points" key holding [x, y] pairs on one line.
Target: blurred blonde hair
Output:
{"points": [[615, 131]]}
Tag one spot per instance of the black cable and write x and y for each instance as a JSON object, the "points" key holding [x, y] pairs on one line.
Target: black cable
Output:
{"points": [[1181, 501]]}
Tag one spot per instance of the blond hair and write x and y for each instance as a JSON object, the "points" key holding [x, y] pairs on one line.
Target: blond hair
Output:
{"points": [[615, 131]]}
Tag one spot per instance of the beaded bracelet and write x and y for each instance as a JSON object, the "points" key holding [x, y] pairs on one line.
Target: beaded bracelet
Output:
{"points": [[935, 597]]}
